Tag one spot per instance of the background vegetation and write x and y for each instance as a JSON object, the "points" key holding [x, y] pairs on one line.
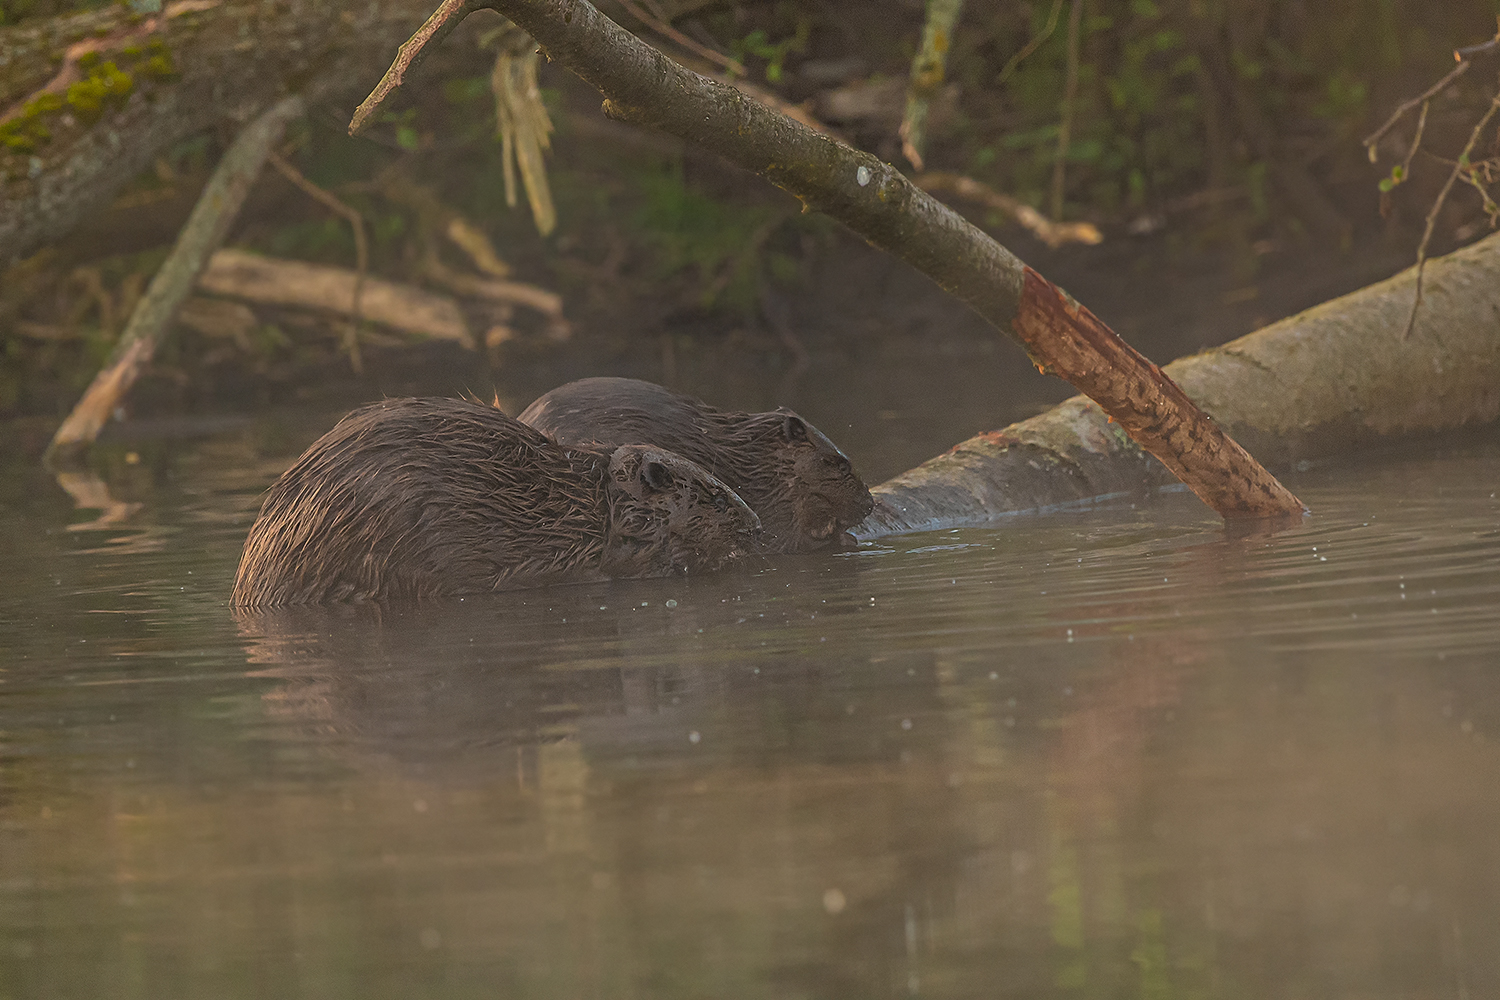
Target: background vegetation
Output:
{"points": [[1199, 127]]}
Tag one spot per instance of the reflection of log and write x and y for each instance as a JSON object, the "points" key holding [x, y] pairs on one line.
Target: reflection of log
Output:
{"points": [[1328, 380], [241, 275]]}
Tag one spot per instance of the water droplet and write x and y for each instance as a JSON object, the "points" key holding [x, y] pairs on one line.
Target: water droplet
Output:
{"points": [[694, 736], [671, 603], [861, 176], [905, 723]]}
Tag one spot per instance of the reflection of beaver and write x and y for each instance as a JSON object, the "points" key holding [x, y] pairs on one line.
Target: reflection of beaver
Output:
{"points": [[804, 489], [431, 497]]}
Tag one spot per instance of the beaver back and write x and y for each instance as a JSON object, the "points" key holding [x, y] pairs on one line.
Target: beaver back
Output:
{"points": [[803, 487], [411, 498]]}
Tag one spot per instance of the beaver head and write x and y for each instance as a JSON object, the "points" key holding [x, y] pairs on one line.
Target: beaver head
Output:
{"points": [[667, 515], [828, 497], [803, 487]]}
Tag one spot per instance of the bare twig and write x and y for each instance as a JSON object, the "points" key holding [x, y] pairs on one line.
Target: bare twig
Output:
{"points": [[1052, 233], [1420, 99], [1070, 95], [1459, 167], [412, 51], [1482, 49], [661, 27], [1033, 45], [361, 247]]}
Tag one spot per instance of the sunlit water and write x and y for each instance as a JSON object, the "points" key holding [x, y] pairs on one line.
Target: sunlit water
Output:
{"points": [[1105, 753]]}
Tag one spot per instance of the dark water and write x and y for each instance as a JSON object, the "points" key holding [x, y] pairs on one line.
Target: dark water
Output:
{"points": [[1105, 753]]}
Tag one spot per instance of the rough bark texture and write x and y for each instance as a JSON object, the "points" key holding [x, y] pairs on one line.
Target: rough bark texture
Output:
{"points": [[1148, 405], [1330, 380], [232, 60], [642, 85]]}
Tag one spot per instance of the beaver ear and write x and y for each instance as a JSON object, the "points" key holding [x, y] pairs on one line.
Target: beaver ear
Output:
{"points": [[656, 475], [795, 428]]}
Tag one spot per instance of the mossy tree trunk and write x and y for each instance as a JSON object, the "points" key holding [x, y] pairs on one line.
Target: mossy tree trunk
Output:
{"points": [[87, 101]]}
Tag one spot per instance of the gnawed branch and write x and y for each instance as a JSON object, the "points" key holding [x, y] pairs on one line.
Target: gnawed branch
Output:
{"points": [[643, 86]]}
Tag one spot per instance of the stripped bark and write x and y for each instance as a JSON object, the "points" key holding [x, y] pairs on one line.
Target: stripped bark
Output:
{"points": [[1335, 378], [643, 86], [201, 235]]}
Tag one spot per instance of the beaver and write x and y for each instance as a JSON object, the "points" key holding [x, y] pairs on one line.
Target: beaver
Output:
{"points": [[803, 487], [415, 498]]}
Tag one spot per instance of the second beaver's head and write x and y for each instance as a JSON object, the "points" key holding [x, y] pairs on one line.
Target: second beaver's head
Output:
{"points": [[667, 515], [819, 496]]}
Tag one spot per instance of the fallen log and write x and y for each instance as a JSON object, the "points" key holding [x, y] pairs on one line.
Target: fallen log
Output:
{"points": [[1330, 380], [238, 274]]}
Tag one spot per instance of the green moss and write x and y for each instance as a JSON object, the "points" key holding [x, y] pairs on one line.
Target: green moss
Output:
{"points": [[158, 67], [45, 104], [87, 96]]}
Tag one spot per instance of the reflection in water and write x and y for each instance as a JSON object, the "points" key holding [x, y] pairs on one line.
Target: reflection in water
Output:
{"points": [[1095, 754], [90, 493]]}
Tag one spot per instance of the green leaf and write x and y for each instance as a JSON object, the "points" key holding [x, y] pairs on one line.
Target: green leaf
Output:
{"points": [[406, 138]]}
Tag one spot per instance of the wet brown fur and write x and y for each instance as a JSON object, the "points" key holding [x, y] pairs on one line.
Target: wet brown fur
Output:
{"points": [[415, 498], [803, 487]]}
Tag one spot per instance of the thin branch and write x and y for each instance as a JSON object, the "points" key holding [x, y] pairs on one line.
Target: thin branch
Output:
{"points": [[412, 52], [664, 29], [1033, 45], [1422, 99], [361, 247], [1052, 233], [1416, 142], [1482, 49], [1459, 167]]}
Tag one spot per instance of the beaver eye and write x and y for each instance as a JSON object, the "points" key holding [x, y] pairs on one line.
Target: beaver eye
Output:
{"points": [[721, 502]]}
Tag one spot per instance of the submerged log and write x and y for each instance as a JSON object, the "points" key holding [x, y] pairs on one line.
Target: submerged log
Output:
{"points": [[1330, 380]]}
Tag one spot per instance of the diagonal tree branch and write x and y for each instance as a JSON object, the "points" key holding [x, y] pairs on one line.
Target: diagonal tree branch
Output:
{"points": [[643, 86]]}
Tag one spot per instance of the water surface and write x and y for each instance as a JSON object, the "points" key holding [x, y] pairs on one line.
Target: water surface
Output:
{"points": [[1115, 752]]}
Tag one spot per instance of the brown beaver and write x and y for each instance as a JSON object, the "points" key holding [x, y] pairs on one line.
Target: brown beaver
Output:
{"points": [[415, 498], [803, 487]]}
